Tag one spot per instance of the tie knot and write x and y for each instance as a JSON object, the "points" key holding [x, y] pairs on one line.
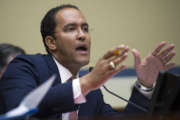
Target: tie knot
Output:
{"points": [[71, 78]]}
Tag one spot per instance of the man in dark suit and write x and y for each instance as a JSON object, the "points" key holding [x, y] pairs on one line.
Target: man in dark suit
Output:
{"points": [[66, 38], [7, 53]]}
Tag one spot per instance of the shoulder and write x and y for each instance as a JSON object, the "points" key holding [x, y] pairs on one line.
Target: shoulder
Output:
{"points": [[25, 63], [29, 57], [25, 67]]}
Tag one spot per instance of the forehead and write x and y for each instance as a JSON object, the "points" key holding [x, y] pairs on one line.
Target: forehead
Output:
{"points": [[69, 15]]}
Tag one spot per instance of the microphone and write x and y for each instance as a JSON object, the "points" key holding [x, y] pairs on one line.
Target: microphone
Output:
{"points": [[128, 101]]}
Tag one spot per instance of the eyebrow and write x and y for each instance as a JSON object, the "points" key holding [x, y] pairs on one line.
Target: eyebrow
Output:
{"points": [[74, 24], [69, 24]]}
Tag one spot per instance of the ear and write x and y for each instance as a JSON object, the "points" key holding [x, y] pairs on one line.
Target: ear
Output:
{"points": [[50, 42]]}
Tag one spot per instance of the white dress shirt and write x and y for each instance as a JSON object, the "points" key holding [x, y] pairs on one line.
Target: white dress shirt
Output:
{"points": [[65, 75]]}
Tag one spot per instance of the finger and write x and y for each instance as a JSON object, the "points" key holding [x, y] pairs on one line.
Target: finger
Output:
{"points": [[118, 51], [137, 57], [159, 47], [120, 59], [169, 66], [113, 58], [118, 69], [108, 54], [169, 57], [115, 63], [166, 51], [122, 50]]}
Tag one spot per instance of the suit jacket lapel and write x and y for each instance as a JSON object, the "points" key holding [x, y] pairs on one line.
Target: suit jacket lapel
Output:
{"points": [[52, 68]]}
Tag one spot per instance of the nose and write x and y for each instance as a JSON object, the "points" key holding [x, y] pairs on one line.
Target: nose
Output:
{"points": [[81, 35]]}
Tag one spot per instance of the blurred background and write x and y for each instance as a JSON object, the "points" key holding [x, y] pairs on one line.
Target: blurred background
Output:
{"points": [[140, 24]]}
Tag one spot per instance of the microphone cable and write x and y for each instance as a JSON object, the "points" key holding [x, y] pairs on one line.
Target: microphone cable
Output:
{"points": [[133, 104], [114, 94]]}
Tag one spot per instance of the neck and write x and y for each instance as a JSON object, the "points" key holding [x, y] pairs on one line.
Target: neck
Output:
{"points": [[73, 68]]}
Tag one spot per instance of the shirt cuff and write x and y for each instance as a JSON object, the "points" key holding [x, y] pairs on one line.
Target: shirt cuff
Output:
{"points": [[142, 89], [77, 94]]}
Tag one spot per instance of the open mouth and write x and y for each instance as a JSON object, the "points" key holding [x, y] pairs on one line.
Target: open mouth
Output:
{"points": [[82, 48]]}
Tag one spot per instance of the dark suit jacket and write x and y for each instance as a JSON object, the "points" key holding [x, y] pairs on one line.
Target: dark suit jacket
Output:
{"points": [[27, 72]]}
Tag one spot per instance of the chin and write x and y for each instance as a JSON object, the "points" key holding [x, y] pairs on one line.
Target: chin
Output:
{"points": [[84, 62]]}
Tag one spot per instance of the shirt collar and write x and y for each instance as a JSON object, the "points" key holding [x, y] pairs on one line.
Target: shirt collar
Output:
{"points": [[64, 73]]}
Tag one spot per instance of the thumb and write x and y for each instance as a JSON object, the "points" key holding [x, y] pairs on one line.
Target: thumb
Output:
{"points": [[137, 57]]}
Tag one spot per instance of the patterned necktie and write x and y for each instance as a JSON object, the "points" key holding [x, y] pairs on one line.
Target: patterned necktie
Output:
{"points": [[74, 114]]}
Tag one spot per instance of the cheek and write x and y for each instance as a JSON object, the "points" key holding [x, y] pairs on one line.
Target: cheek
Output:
{"points": [[67, 46], [89, 42], [66, 40]]}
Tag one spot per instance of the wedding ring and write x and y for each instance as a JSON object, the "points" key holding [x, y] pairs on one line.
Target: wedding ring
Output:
{"points": [[112, 65]]}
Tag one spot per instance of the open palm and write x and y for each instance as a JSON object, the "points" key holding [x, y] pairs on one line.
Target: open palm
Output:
{"points": [[148, 69]]}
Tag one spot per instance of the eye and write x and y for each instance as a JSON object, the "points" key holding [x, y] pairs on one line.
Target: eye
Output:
{"points": [[69, 29], [85, 28]]}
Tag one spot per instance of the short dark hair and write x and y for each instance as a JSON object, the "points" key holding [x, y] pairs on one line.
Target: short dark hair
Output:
{"points": [[48, 23], [7, 50]]}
